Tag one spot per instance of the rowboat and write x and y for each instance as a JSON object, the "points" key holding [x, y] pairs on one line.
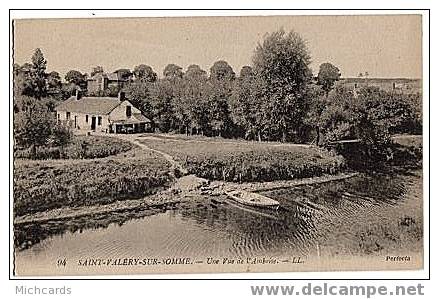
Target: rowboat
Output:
{"points": [[253, 199]]}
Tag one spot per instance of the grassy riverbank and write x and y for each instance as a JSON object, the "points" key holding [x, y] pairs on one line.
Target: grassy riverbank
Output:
{"points": [[44, 185], [241, 161]]}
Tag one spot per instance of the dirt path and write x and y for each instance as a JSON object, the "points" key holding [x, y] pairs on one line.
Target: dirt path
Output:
{"points": [[134, 140]]}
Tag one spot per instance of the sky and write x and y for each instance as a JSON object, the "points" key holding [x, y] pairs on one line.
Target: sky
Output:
{"points": [[386, 46]]}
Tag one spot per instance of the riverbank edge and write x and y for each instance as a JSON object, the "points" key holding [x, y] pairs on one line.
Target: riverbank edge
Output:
{"points": [[169, 197]]}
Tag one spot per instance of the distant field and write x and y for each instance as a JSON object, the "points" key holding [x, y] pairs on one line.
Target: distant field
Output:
{"points": [[241, 161]]}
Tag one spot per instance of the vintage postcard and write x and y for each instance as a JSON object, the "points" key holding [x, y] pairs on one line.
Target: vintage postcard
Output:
{"points": [[217, 144]]}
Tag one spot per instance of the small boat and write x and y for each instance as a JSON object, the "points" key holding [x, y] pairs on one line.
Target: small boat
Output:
{"points": [[253, 199]]}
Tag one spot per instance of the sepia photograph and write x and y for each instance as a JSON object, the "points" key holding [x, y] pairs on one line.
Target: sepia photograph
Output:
{"points": [[217, 144]]}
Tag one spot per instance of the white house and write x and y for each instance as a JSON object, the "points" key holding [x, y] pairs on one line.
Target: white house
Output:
{"points": [[102, 114]]}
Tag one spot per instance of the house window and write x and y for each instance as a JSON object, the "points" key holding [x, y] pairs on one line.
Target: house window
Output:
{"points": [[68, 115], [86, 118], [128, 111], [99, 120], [75, 121]]}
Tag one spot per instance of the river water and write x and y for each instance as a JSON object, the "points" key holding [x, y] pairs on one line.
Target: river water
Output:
{"points": [[364, 215]]}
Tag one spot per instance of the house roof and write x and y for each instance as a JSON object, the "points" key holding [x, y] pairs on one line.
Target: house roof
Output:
{"points": [[90, 105], [134, 119]]}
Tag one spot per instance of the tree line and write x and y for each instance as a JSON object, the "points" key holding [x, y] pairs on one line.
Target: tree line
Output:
{"points": [[277, 98]]}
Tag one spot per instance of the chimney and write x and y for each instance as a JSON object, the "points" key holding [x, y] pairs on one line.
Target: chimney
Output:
{"points": [[78, 94], [121, 96]]}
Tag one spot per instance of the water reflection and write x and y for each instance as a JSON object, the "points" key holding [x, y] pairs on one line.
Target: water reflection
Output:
{"points": [[331, 216]]}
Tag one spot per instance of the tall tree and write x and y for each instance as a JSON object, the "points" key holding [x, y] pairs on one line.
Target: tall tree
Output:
{"points": [[38, 75], [162, 94], [248, 104], [192, 111], [282, 60], [173, 71], [219, 93], [328, 75], [145, 73]]}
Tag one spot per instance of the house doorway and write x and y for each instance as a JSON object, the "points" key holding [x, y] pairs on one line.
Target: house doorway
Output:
{"points": [[93, 123]]}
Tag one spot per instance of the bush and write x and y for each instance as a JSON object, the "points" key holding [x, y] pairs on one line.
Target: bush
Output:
{"points": [[40, 186], [81, 147], [262, 165], [248, 161]]}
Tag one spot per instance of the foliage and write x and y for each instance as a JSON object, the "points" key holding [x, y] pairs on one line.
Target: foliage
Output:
{"points": [[274, 99], [221, 71], [328, 75], [145, 73], [162, 93], [246, 161], [45, 185], [173, 71], [282, 61], [54, 83], [30, 78], [248, 101], [32, 125], [76, 78], [64, 146], [139, 94]]}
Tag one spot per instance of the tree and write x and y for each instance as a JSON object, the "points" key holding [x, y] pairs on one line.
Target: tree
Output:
{"points": [[221, 71], [33, 125], [145, 73], [162, 105], [331, 115], [36, 85], [22, 79], [173, 71], [139, 94], [328, 75], [192, 109], [96, 70], [317, 102], [282, 60], [246, 71], [76, 78], [54, 81], [218, 95], [247, 104], [194, 72]]}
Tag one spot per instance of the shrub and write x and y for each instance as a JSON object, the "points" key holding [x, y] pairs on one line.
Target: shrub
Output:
{"points": [[250, 162], [80, 147], [46, 185]]}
